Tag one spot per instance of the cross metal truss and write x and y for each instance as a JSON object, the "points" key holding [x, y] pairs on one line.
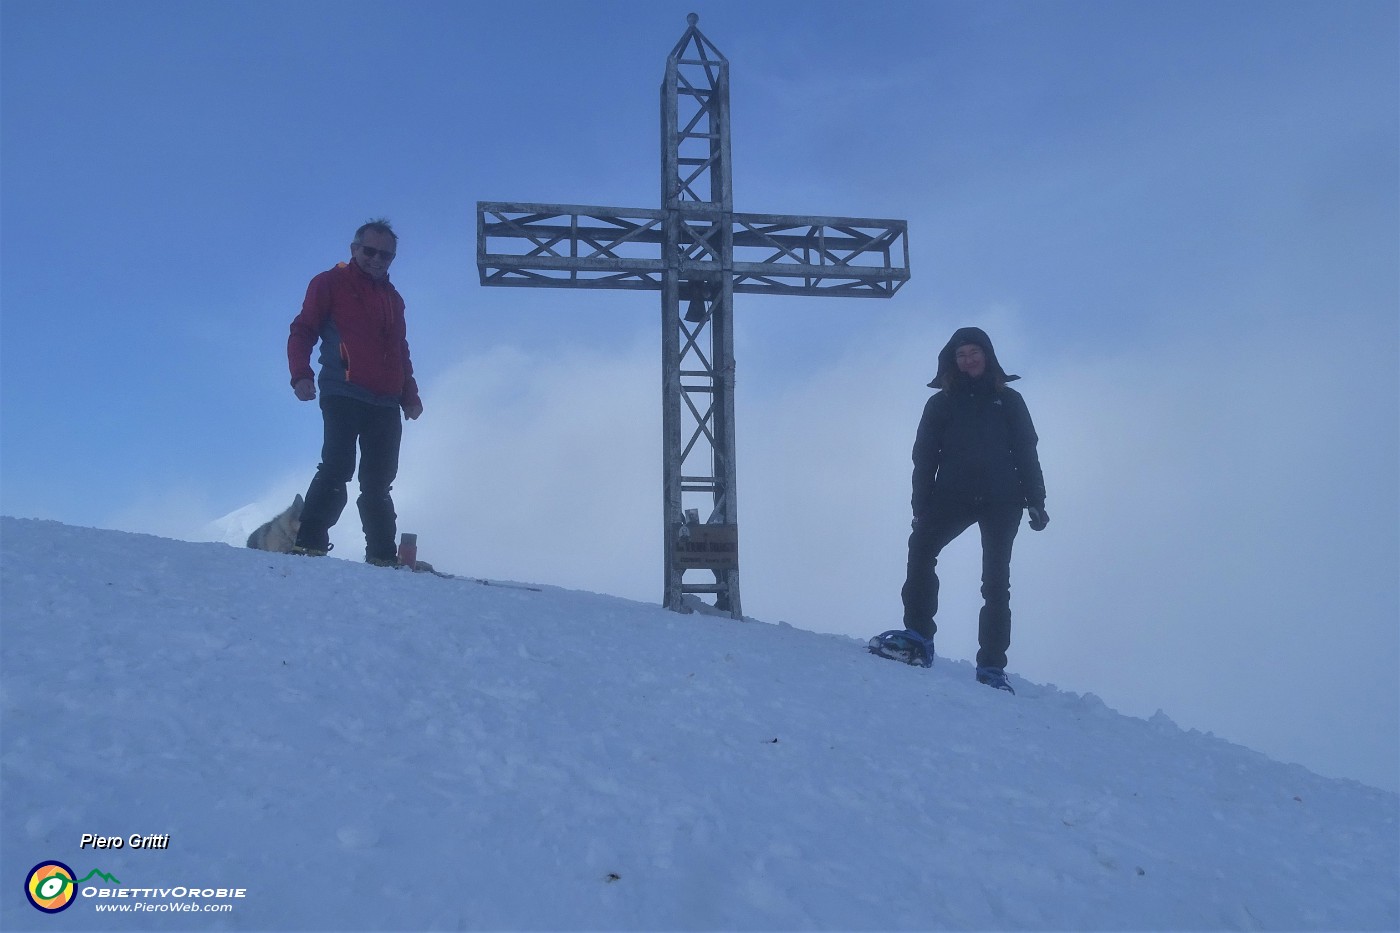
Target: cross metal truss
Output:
{"points": [[695, 250]]}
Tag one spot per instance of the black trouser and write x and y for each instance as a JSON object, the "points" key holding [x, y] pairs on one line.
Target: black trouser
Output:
{"points": [[378, 429], [998, 524]]}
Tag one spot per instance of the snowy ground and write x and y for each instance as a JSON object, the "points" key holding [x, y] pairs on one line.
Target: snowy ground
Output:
{"points": [[365, 749]]}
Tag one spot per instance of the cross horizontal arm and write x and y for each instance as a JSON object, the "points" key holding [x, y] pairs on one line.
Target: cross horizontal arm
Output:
{"points": [[568, 245], [582, 246]]}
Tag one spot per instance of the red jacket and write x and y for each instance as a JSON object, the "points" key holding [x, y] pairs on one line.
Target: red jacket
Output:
{"points": [[364, 343]]}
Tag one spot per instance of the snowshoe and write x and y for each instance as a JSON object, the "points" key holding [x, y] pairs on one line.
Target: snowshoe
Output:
{"points": [[994, 677], [903, 645]]}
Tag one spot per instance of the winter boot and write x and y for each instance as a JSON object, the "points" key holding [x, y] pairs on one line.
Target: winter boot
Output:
{"points": [[994, 677]]}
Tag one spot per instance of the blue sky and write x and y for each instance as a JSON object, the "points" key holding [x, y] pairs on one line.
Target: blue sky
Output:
{"points": [[1179, 222]]}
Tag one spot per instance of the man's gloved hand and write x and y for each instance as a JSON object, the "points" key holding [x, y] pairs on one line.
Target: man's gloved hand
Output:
{"points": [[305, 389], [1038, 516]]}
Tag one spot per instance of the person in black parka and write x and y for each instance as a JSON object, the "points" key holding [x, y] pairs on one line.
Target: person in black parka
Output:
{"points": [[975, 462]]}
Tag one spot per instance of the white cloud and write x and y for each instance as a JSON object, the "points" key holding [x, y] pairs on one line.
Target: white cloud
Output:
{"points": [[541, 467], [1224, 521]]}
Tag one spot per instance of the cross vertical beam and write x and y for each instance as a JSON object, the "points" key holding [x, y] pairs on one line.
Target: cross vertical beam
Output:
{"points": [[698, 445]]}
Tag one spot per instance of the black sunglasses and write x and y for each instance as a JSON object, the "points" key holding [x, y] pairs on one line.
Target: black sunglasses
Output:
{"points": [[372, 253]]}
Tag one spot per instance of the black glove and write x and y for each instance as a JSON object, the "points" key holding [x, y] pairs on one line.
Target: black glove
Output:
{"points": [[1038, 516]]}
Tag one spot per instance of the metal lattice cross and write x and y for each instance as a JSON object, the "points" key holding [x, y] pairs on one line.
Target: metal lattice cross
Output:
{"points": [[697, 250]]}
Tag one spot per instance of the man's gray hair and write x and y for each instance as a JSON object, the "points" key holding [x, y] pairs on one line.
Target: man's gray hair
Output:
{"points": [[378, 225]]}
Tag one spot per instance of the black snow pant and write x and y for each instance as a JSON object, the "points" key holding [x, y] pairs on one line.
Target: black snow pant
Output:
{"points": [[998, 524], [378, 429]]}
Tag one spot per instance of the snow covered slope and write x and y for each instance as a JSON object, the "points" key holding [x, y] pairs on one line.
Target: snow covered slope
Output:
{"points": [[364, 749]]}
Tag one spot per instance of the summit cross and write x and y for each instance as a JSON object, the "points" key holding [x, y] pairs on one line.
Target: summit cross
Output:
{"points": [[696, 250]]}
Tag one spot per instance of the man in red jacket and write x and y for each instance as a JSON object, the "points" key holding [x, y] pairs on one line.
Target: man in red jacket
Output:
{"points": [[366, 378]]}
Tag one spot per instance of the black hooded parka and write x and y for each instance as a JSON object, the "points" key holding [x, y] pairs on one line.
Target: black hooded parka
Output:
{"points": [[976, 443]]}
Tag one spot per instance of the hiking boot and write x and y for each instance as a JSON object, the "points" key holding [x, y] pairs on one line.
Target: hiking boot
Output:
{"points": [[382, 561], [994, 677], [311, 551]]}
